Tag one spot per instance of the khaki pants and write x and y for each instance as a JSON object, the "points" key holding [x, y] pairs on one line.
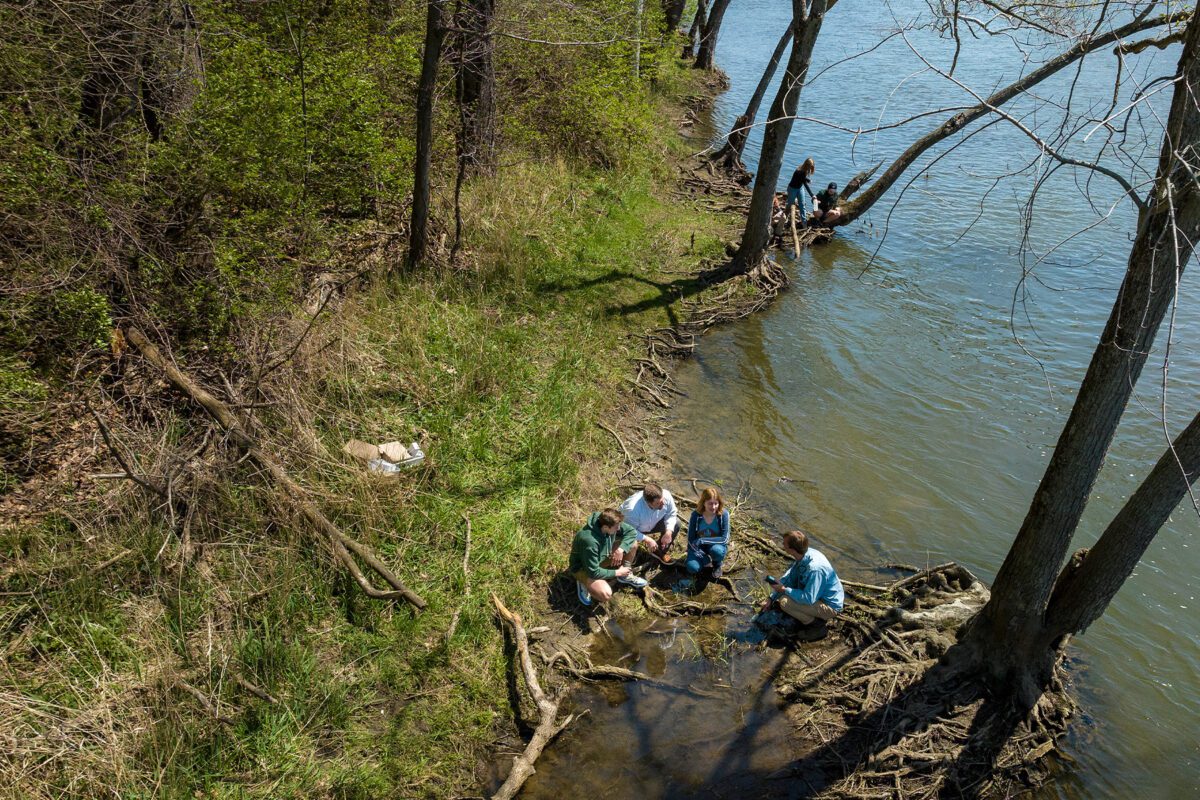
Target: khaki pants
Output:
{"points": [[805, 612]]}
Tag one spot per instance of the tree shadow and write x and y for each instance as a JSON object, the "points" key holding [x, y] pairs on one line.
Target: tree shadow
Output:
{"points": [[561, 597], [940, 690], [669, 292]]}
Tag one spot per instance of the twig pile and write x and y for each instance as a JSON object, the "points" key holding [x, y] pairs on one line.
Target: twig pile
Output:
{"points": [[891, 721]]}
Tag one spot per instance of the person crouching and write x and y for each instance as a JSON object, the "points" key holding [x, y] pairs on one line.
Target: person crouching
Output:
{"points": [[810, 590], [603, 550]]}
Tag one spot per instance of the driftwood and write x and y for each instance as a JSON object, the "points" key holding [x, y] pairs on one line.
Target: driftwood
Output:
{"points": [[342, 544], [548, 727], [466, 583]]}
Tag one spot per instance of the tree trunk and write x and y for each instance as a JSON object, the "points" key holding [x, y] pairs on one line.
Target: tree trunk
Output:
{"points": [[672, 14], [1009, 637], [476, 85], [806, 26], [1082, 596], [708, 35], [730, 155], [695, 30], [435, 34], [856, 208]]}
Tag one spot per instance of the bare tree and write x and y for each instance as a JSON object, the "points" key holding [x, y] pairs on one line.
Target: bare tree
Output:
{"points": [[855, 208], [435, 34], [697, 27], [807, 16], [1014, 640], [708, 35], [672, 14], [475, 84], [730, 154]]}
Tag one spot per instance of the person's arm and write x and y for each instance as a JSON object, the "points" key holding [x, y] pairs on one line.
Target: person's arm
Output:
{"points": [[672, 513], [808, 189], [693, 528], [725, 527], [629, 537], [785, 581]]}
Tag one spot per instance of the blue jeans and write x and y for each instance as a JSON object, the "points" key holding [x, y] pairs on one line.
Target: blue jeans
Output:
{"points": [[796, 197], [700, 557]]}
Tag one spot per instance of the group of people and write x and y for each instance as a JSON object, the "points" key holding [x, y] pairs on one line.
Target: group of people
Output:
{"points": [[825, 203], [604, 551]]}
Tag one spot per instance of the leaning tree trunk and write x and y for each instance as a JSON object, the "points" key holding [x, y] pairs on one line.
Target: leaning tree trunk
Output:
{"points": [[806, 25], [1082, 595], [475, 85], [672, 14], [708, 35], [854, 209], [435, 34], [696, 29], [1008, 639], [730, 155]]}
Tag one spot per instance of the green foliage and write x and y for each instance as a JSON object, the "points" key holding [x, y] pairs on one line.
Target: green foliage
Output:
{"points": [[264, 169]]}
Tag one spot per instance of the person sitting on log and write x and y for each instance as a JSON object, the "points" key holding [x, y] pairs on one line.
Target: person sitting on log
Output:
{"points": [[810, 590], [603, 550], [825, 207], [799, 184], [708, 534], [652, 510]]}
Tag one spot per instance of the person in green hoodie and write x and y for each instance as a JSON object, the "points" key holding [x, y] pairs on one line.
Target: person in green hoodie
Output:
{"points": [[603, 550]]}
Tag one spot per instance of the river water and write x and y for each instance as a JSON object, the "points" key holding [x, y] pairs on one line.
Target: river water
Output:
{"points": [[901, 400]]}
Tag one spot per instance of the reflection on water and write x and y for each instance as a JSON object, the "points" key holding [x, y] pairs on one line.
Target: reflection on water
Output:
{"points": [[711, 728]]}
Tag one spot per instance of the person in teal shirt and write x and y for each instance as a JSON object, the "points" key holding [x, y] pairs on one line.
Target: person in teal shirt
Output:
{"points": [[603, 550], [810, 589], [708, 534]]}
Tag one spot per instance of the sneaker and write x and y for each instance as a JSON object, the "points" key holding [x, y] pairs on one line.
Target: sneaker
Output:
{"points": [[581, 592], [634, 581]]}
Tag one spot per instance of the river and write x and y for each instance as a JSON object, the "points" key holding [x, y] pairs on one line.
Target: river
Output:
{"points": [[900, 402]]}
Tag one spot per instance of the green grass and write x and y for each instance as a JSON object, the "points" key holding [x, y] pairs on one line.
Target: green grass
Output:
{"points": [[504, 366]]}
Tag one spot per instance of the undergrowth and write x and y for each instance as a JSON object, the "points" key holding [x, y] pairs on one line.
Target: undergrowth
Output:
{"points": [[132, 680]]}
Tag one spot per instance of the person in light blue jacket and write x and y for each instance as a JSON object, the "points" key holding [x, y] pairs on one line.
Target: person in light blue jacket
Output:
{"points": [[810, 589], [708, 534]]}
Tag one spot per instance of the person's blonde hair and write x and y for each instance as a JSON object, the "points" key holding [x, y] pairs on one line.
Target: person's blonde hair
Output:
{"points": [[711, 493], [808, 167]]}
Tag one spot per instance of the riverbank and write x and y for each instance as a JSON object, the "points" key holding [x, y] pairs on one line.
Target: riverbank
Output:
{"points": [[241, 660]]}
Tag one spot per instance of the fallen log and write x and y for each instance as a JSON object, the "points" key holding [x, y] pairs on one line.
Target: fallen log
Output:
{"points": [[342, 544], [549, 725]]}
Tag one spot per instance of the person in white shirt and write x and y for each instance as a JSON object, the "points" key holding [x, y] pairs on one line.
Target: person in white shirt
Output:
{"points": [[652, 510]]}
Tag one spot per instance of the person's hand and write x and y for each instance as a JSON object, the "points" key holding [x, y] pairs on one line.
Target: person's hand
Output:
{"points": [[623, 571], [650, 544], [764, 605]]}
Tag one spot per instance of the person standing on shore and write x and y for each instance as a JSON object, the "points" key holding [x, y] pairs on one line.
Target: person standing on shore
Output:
{"points": [[652, 510], [603, 550], [810, 590], [708, 534]]}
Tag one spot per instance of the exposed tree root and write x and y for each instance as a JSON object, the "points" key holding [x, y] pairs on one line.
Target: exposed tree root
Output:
{"points": [[343, 546], [896, 715], [549, 725], [682, 608]]}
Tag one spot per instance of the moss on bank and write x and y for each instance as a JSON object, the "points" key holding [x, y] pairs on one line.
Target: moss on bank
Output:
{"points": [[504, 365]]}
